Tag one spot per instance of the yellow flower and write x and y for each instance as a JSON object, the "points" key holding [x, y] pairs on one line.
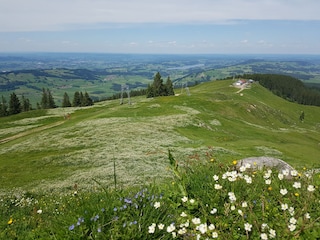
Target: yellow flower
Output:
{"points": [[296, 194], [270, 188], [234, 162], [10, 221], [304, 168], [211, 160], [254, 163]]}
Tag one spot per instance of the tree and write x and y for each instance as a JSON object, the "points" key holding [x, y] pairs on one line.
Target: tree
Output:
{"points": [[47, 100], [76, 100], [158, 88], [51, 103], [66, 100], [14, 104], [44, 99], [3, 107], [87, 100], [169, 87], [26, 105]]}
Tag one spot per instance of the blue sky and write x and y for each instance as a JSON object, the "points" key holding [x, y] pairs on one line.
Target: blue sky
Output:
{"points": [[166, 26]]}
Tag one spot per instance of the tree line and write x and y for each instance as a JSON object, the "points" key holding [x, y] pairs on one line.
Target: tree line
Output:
{"points": [[16, 105], [287, 87]]}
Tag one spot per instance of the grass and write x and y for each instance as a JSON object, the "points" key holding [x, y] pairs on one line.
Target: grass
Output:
{"points": [[202, 199], [49, 158]]}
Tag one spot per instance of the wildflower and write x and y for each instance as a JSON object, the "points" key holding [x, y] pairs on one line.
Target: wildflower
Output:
{"points": [[184, 199], [264, 226], [216, 177], [233, 208], [247, 227], [244, 204], [152, 228], [39, 211], [211, 160], [240, 212], [171, 228], [294, 173], [211, 227], [214, 235], [71, 227], [213, 211], [264, 236], [202, 228], [183, 214], [296, 194], [232, 197], [311, 188], [296, 185], [293, 220], [182, 231], [280, 176], [285, 172], [268, 181], [10, 221], [161, 226], [156, 205], [248, 179], [291, 211], [234, 162], [270, 188], [242, 169], [283, 191], [217, 186], [292, 227], [272, 233], [192, 201], [307, 216], [196, 221], [99, 229], [284, 206]]}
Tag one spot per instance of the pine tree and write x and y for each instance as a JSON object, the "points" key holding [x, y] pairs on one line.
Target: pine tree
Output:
{"points": [[26, 106], [66, 100], [14, 104], [3, 107], [87, 100], [44, 99], [76, 100], [169, 87], [51, 103]]}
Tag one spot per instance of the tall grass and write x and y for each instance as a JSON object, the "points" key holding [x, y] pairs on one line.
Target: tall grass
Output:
{"points": [[205, 199]]}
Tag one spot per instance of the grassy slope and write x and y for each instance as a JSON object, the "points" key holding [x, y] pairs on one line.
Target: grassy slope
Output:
{"points": [[214, 118]]}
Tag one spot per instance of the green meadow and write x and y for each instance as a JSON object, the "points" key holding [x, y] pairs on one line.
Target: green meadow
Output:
{"points": [[105, 173]]}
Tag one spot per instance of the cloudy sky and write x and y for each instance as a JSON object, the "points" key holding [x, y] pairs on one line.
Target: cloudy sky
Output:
{"points": [[165, 26]]}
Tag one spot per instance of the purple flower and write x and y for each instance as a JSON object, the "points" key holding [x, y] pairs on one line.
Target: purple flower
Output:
{"points": [[71, 227]]}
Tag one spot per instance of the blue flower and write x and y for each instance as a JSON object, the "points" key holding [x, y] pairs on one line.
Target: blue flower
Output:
{"points": [[71, 227]]}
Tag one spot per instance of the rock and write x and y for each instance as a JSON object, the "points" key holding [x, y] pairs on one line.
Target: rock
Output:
{"points": [[258, 163]]}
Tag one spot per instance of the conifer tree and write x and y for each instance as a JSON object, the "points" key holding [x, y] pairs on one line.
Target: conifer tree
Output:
{"points": [[51, 103], [3, 107], [76, 100], [14, 104], [169, 87], [26, 105], [44, 99], [66, 101], [87, 100]]}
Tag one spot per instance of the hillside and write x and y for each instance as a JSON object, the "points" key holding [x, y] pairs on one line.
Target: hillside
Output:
{"points": [[43, 151]]}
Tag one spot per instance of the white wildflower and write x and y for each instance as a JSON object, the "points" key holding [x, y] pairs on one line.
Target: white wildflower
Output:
{"points": [[217, 186], [283, 191], [184, 199], [264, 236], [272, 233], [284, 206], [311, 188], [213, 211], [152, 228], [292, 227], [244, 204], [248, 227], [214, 235], [216, 177], [161, 226], [171, 228], [156, 205], [183, 214], [211, 227], [196, 221], [296, 185]]}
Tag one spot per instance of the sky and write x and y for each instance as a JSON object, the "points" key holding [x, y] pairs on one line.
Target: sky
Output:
{"points": [[165, 26]]}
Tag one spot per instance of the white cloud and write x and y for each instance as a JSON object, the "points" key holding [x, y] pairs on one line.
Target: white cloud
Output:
{"points": [[49, 15]]}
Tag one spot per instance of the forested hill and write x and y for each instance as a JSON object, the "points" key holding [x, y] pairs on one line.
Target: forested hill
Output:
{"points": [[288, 88]]}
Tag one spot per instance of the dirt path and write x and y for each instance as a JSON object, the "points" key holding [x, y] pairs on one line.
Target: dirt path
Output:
{"points": [[34, 130]]}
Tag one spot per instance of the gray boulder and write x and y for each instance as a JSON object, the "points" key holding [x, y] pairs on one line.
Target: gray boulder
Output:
{"points": [[258, 163]]}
